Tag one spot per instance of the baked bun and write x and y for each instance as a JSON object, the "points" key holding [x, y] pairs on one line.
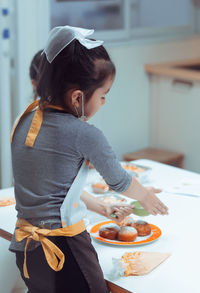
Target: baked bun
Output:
{"points": [[6, 201], [127, 221], [112, 199], [109, 231], [127, 234], [143, 228], [100, 187]]}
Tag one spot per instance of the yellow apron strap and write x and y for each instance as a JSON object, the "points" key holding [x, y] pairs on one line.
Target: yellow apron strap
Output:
{"points": [[35, 124], [30, 108], [55, 107], [34, 128]]}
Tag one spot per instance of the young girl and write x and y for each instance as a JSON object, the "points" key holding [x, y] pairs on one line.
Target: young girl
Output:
{"points": [[51, 148]]}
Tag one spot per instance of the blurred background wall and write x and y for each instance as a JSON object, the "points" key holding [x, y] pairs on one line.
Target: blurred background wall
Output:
{"points": [[125, 117]]}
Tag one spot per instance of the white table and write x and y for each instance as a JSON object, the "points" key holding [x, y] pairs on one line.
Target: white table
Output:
{"points": [[180, 237]]}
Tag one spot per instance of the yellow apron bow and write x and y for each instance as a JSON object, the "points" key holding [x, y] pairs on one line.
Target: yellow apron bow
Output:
{"points": [[53, 254]]}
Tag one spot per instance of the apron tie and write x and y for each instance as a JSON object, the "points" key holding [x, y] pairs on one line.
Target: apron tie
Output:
{"points": [[54, 256]]}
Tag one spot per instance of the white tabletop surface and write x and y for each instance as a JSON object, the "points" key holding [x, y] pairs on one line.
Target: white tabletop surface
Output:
{"points": [[180, 234]]}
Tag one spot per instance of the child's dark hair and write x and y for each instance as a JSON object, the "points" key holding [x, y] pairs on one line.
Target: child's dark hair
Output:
{"points": [[34, 70], [75, 67], [34, 67]]}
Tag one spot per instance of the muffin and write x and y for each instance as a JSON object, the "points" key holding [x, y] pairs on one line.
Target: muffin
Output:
{"points": [[127, 234], [109, 231], [100, 187], [143, 228]]}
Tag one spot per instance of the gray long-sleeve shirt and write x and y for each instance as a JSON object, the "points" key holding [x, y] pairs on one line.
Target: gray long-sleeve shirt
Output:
{"points": [[43, 174]]}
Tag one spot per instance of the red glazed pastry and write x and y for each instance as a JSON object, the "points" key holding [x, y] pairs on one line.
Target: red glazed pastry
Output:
{"points": [[109, 231], [127, 234], [143, 228]]}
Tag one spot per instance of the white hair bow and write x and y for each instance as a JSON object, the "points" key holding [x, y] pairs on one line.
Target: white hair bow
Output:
{"points": [[62, 36]]}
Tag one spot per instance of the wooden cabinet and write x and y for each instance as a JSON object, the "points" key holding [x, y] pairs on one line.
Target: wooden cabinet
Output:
{"points": [[166, 157]]}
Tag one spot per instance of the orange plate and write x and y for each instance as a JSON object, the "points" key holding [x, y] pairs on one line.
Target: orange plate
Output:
{"points": [[7, 201], [155, 234]]}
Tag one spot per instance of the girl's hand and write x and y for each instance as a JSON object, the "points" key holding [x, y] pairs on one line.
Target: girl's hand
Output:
{"points": [[146, 197], [98, 206], [120, 210], [151, 202]]}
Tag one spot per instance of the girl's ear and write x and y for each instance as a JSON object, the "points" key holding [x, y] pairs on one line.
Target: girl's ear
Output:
{"points": [[76, 98]]}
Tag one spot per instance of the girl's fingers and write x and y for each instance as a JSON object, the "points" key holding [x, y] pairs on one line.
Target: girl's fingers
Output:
{"points": [[160, 209], [125, 208], [153, 204], [157, 190], [122, 211], [116, 209], [119, 217], [154, 189]]}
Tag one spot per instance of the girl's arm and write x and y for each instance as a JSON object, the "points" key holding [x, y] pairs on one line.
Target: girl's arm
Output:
{"points": [[96, 205], [93, 146], [146, 197]]}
